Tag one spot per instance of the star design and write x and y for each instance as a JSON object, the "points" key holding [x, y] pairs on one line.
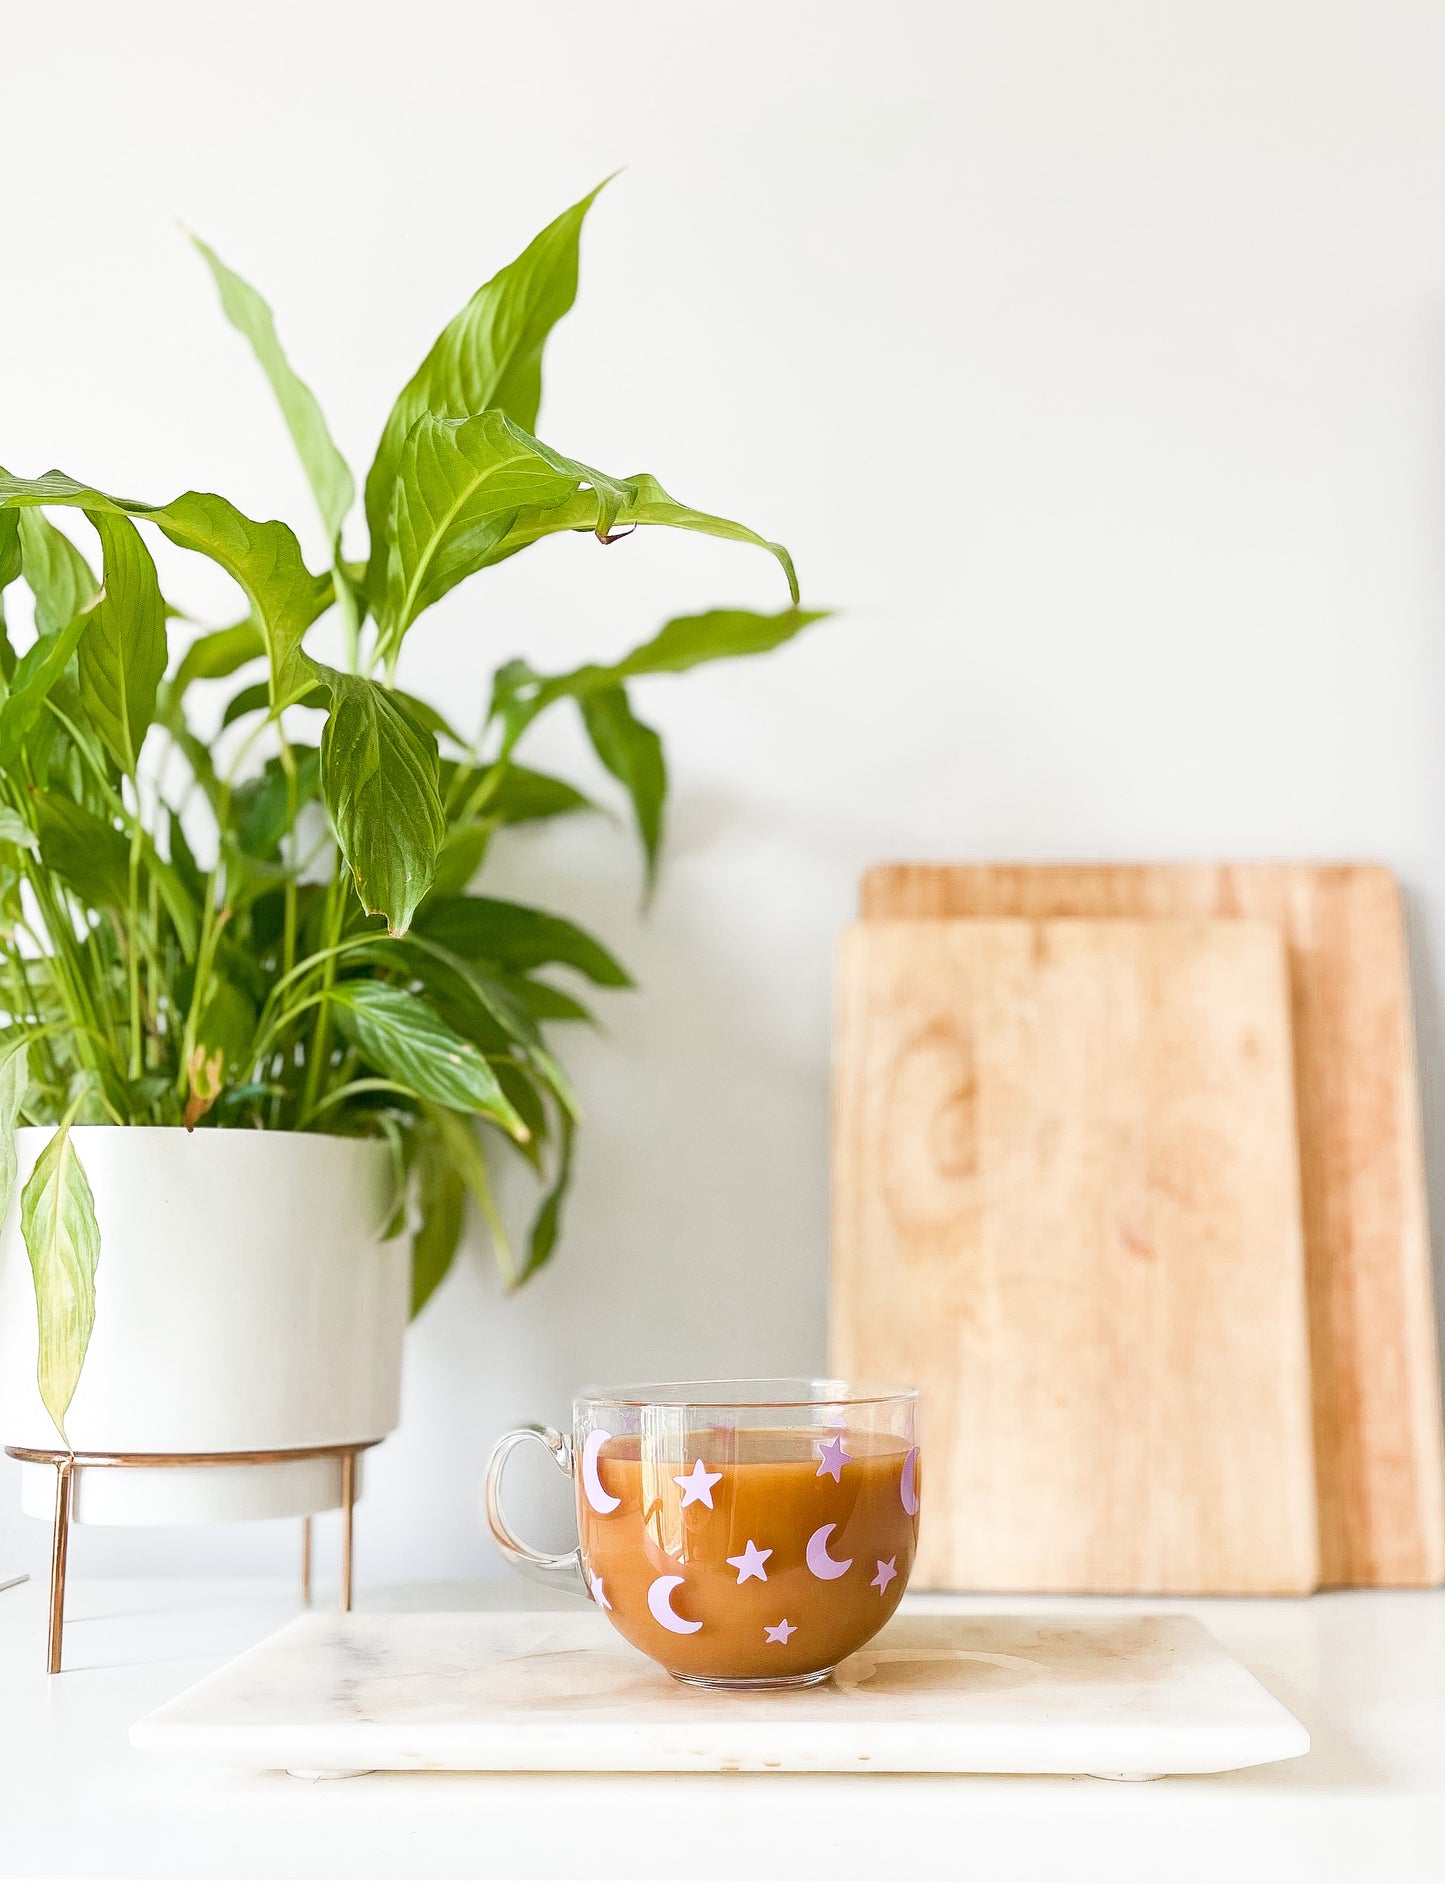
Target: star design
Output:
{"points": [[697, 1485], [750, 1564], [833, 1460], [599, 1595], [886, 1573], [780, 1631]]}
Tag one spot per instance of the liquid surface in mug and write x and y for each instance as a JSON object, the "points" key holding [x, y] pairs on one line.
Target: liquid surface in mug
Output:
{"points": [[748, 1555]]}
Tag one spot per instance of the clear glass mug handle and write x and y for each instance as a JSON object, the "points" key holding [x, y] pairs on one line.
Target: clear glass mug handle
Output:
{"points": [[560, 1573]]}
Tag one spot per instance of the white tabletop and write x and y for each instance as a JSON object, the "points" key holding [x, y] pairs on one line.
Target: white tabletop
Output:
{"points": [[1365, 1672]]}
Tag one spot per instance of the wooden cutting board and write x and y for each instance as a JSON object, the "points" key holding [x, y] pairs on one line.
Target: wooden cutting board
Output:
{"points": [[1378, 1452], [1066, 1205]]}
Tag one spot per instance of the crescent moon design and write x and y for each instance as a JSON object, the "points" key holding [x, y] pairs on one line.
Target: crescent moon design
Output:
{"points": [[819, 1562], [908, 1484], [659, 1593], [592, 1485]]}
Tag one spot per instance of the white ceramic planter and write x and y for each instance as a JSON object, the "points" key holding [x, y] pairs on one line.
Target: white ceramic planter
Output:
{"points": [[244, 1302]]}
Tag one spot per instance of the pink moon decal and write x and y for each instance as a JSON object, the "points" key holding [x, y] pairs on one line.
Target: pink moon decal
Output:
{"points": [[908, 1484], [659, 1592], [819, 1562], [600, 1501]]}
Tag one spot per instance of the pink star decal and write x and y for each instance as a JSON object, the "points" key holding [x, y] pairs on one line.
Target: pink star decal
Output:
{"points": [[833, 1460], [750, 1564], [780, 1631], [886, 1573], [697, 1485], [599, 1595]]}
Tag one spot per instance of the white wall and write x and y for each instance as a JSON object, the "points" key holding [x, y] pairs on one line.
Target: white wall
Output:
{"points": [[1092, 356]]}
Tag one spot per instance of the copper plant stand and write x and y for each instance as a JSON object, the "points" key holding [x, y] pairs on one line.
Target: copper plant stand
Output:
{"points": [[66, 1464]]}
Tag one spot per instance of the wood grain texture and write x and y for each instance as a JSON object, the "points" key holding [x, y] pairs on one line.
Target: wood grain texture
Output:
{"points": [[1066, 1205], [1378, 1447]]}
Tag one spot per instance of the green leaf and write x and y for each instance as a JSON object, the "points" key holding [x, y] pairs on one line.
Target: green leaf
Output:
{"points": [[36, 673], [722, 634], [632, 753], [442, 1199], [482, 1007], [630, 750], [182, 908], [92, 858], [198, 756], [544, 1002], [85, 1097], [470, 492], [548, 1223], [14, 1079], [14, 830], [460, 484], [489, 355], [514, 936], [123, 654], [379, 778], [261, 806], [89, 855], [257, 699], [527, 1103], [644, 503], [264, 559], [227, 1025], [215, 655], [458, 1137], [519, 693], [10, 561], [60, 578], [425, 714], [62, 1236], [400, 1143], [524, 796], [485, 1009], [459, 858], [407, 1042], [325, 468], [183, 859], [648, 504], [515, 795]]}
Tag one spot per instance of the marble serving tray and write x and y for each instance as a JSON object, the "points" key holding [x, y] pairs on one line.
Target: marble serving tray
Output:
{"points": [[1112, 1696]]}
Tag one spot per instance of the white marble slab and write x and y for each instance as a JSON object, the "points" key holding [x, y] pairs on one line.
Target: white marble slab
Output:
{"points": [[1115, 1696]]}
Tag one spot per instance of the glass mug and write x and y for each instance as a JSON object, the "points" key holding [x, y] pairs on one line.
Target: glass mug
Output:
{"points": [[743, 1533]]}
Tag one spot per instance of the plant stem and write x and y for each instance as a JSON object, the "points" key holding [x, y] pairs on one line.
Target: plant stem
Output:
{"points": [[70, 980], [348, 1091], [206, 945], [268, 1043], [288, 893], [137, 1064], [319, 1051]]}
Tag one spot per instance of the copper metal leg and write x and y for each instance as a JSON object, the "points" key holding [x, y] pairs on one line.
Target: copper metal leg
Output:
{"points": [[59, 1544], [348, 1502], [68, 1463]]}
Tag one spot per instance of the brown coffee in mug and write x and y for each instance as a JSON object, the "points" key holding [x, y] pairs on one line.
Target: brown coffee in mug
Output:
{"points": [[742, 1534]]}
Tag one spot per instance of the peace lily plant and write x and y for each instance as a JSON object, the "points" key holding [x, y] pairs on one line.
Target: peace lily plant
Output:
{"points": [[254, 931]]}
